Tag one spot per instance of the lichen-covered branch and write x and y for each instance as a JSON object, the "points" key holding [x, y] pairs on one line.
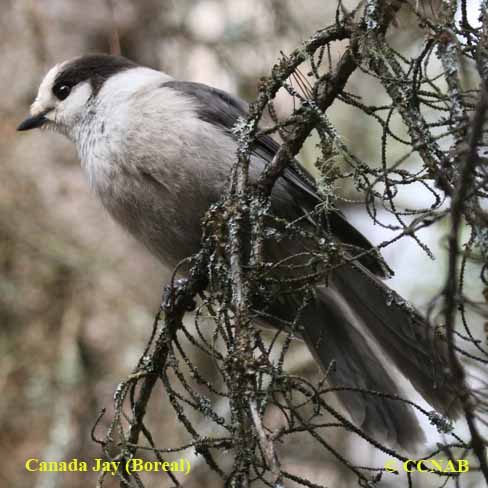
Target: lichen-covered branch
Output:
{"points": [[236, 417]]}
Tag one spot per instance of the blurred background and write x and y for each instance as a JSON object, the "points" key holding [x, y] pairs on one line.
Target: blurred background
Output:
{"points": [[78, 295]]}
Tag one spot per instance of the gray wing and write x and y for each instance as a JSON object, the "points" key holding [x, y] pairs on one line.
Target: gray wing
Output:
{"points": [[223, 110], [356, 306]]}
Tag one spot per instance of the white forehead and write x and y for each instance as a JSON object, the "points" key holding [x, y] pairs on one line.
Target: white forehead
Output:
{"points": [[47, 82], [45, 94]]}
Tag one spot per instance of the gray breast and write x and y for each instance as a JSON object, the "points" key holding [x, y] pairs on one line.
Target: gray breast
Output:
{"points": [[158, 179]]}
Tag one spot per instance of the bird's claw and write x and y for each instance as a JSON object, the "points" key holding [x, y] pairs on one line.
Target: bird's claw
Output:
{"points": [[176, 296]]}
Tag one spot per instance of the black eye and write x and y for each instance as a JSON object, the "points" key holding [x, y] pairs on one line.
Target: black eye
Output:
{"points": [[61, 90]]}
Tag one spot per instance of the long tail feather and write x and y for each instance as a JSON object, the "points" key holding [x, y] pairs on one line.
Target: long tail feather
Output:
{"points": [[412, 345], [330, 335]]}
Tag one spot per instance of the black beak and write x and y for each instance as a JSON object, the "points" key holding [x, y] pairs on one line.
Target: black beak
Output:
{"points": [[33, 122]]}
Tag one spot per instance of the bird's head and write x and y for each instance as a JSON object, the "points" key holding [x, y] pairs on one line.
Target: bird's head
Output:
{"points": [[68, 89]]}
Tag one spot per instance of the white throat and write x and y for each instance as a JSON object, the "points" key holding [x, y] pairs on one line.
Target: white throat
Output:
{"points": [[100, 135]]}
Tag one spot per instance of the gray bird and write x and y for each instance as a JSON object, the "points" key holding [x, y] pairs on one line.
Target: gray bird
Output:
{"points": [[158, 153]]}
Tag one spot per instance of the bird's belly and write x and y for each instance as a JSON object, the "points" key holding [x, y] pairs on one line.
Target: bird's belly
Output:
{"points": [[169, 226]]}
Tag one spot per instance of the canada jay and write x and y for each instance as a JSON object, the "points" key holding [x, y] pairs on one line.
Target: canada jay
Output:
{"points": [[158, 153]]}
